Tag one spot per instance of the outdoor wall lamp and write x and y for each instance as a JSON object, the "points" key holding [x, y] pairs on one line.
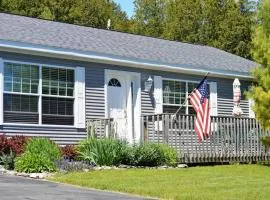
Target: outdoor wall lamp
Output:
{"points": [[148, 84]]}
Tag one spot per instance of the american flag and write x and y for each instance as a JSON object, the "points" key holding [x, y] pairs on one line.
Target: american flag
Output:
{"points": [[199, 99]]}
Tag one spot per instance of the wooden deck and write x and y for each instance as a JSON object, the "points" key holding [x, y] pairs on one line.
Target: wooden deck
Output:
{"points": [[232, 139]]}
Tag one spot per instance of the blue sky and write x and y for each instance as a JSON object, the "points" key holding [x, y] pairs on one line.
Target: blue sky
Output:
{"points": [[126, 5]]}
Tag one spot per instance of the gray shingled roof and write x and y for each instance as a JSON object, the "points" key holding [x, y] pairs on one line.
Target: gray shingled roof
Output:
{"points": [[111, 43]]}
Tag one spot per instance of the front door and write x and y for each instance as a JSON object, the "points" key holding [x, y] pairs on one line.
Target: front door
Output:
{"points": [[122, 102]]}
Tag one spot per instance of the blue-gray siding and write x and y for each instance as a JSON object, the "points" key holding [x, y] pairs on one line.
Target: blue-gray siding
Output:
{"points": [[95, 96]]}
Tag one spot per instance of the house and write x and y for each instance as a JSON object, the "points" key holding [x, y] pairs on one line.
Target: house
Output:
{"points": [[56, 76]]}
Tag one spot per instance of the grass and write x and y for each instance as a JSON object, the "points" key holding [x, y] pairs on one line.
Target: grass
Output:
{"points": [[205, 183]]}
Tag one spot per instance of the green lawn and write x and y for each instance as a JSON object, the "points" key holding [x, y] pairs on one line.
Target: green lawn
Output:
{"points": [[219, 182]]}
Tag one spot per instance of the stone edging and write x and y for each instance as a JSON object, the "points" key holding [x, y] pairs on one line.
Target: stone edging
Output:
{"points": [[96, 168]]}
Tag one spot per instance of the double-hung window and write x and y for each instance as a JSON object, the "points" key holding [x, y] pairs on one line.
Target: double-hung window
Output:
{"points": [[38, 94], [175, 94], [57, 96], [21, 93]]}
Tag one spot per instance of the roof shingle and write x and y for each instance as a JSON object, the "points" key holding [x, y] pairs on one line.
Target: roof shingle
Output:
{"points": [[124, 45]]}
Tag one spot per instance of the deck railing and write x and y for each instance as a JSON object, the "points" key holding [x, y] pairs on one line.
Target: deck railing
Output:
{"points": [[232, 139], [101, 128]]}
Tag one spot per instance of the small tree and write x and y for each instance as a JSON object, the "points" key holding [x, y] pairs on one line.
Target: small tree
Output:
{"points": [[260, 92]]}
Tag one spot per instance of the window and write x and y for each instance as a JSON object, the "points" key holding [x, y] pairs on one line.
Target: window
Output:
{"points": [[57, 96], [114, 82], [175, 94], [22, 94]]}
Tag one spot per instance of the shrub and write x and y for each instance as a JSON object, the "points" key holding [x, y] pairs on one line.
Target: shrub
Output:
{"points": [[147, 154], [150, 154], [69, 152], [45, 147], [169, 155], [7, 159], [266, 141], [34, 163], [17, 144], [4, 148], [39, 156], [103, 151]]}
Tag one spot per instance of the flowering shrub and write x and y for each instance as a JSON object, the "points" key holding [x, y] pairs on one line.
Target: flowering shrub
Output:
{"points": [[69, 152]]}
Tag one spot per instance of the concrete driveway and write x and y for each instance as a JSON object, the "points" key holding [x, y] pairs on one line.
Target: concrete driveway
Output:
{"points": [[19, 188]]}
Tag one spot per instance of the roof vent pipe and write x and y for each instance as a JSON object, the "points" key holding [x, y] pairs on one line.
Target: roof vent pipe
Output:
{"points": [[109, 24]]}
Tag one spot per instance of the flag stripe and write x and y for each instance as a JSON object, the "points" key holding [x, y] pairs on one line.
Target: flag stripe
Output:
{"points": [[200, 102]]}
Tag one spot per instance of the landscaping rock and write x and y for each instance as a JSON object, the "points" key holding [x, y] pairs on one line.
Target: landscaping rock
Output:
{"points": [[182, 166], [33, 175], [12, 173], [2, 169], [23, 174], [106, 167], [97, 168], [163, 167], [124, 166]]}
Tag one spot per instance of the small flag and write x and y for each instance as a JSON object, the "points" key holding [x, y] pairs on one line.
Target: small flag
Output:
{"points": [[199, 99]]}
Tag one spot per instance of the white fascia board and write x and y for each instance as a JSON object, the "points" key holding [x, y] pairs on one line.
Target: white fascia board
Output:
{"points": [[39, 50]]}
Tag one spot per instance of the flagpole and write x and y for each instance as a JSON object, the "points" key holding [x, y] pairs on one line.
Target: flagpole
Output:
{"points": [[188, 97]]}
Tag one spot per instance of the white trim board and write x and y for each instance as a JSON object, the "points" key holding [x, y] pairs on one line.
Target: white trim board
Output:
{"points": [[39, 50]]}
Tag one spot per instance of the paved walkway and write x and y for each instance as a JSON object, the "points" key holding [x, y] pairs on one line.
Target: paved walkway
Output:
{"points": [[19, 188]]}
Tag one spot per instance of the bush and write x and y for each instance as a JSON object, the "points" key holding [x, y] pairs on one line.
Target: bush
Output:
{"points": [[103, 151], [169, 155], [7, 159], [4, 147], [150, 154], [266, 141], [34, 163], [45, 147], [17, 144], [69, 152], [39, 156]]}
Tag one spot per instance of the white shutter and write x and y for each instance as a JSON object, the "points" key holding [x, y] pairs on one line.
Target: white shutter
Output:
{"points": [[213, 98], [158, 95], [1, 90], [79, 104], [251, 112]]}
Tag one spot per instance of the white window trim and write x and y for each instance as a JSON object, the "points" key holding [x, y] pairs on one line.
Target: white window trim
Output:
{"points": [[186, 81], [39, 94]]}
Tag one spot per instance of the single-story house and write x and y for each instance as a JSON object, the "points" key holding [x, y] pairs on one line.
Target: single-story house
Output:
{"points": [[56, 76]]}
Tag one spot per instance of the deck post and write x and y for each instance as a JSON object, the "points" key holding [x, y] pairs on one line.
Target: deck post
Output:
{"points": [[166, 128]]}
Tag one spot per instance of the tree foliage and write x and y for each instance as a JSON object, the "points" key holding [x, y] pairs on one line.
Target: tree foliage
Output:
{"points": [[95, 13], [225, 24], [261, 53], [149, 17]]}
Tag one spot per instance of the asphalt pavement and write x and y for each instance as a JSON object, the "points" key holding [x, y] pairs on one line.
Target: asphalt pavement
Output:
{"points": [[20, 188]]}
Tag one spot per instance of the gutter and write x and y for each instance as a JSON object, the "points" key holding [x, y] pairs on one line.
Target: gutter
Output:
{"points": [[62, 53]]}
